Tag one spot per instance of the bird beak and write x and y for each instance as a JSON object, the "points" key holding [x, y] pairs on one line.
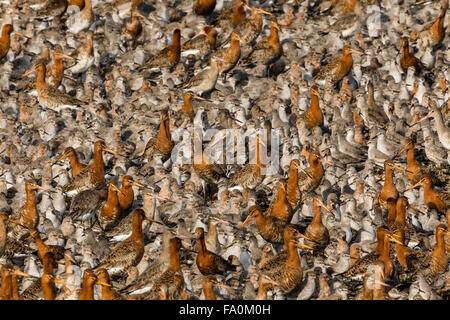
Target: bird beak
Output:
{"points": [[110, 151], [302, 236], [401, 151], [221, 285], [415, 209], [22, 274], [301, 245], [60, 281], [324, 206], [28, 73], [401, 169], [382, 283], [416, 185], [263, 11], [393, 239], [152, 220], [428, 116], [14, 221], [67, 57], [62, 157], [199, 98], [199, 34], [43, 189], [240, 39], [117, 189], [356, 51], [283, 187], [303, 170], [103, 283], [246, 220], [179, 236], [19, 34], [137, 184], [141, 16], [316, 93], [327, 162]]}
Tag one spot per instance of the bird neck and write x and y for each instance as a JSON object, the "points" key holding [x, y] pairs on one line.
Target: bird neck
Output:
{"points": [[281, 198], [98, 164], [293, 259], [258, 151], [317, 219], [187, 107], [444, 7], [175, 260], [5, 39], [48, 288], [87, 291], [293, 175], [439, 121], [380, 243], [14, 288], [136, 234], [238, 14], [392, 213], [314, 105], [40, 80], [388, 179], [74, 163], [410, 158], [208, 290], [6, 288], [113, 199], [201, 246], [273, 37], [127, 196], [400, 218], [440, 243], [164, 133]]}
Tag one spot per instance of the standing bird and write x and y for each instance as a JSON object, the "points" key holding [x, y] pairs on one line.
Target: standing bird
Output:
{"points": [[167, 57], [285, 267], [433, 33], [337, 68], [84, 55], [316, 232], [250, 176], [55, 71], [268, 51], [201, 44], [389, 191], [415, 170], [162, 144], [407, 59], [229, 56], [313, 115], [5, 39], [171, 280], [129, 252], [205, 80], [126, 194], [81, 20], [281, 208], [76, 166], [49, 96], [442, 130], [250, 28], [208, 262], [434, 199], [93, 175], [110, 211]]}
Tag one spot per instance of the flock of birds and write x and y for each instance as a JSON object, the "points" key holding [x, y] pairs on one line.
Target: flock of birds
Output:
{"points": [[94, 206]]}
